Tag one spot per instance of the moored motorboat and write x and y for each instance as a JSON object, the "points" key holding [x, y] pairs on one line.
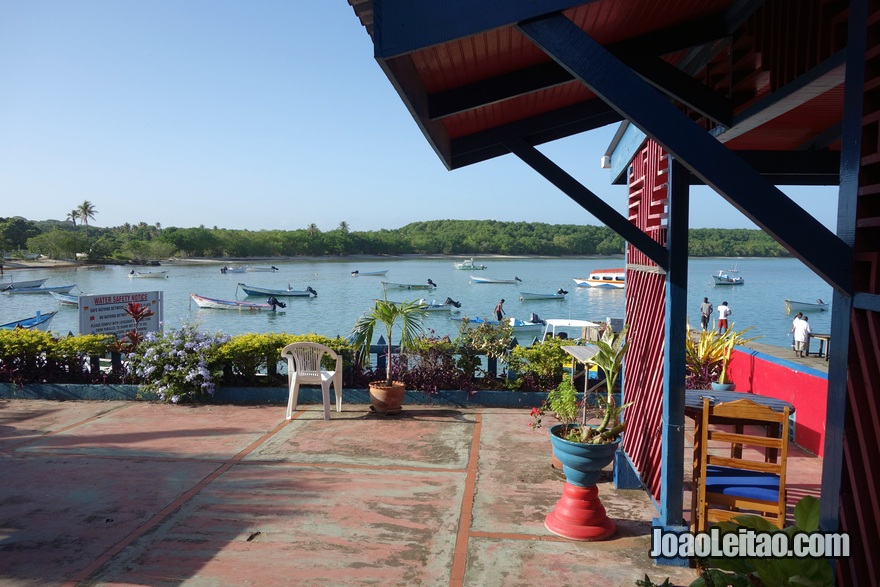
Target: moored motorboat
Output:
{"points": [[39, 322], [65, 299], [793, 306], [42, 289], [389, 285], [490, 280], [449, 305], [380, 273], [527, 295], [253, 290], [226, 269], [218, 304], [468, 265], [148, 274], [604, 278], [4, 285], [270, 269], [727, 277]]}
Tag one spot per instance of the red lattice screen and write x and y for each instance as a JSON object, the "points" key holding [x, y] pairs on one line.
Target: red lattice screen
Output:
{"points": [[645, 314]]}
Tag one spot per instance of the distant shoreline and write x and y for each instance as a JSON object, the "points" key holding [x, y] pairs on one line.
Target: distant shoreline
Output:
{"points": [[12, 265]]}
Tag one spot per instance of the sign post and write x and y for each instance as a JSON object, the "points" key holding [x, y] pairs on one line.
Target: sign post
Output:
{"points": [[105, 313]]}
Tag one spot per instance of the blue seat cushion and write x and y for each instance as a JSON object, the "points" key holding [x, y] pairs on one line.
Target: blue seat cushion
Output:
{"points": [[741, 483]]}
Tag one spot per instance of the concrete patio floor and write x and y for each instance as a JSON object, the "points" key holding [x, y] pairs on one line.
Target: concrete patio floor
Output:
{"points": [[134, 493]]}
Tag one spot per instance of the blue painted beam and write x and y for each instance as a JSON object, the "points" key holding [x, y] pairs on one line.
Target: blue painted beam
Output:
{"points": [[796, 230], [589, 201], [674, 360], [630, 144], [402, 26], [842, 305]]}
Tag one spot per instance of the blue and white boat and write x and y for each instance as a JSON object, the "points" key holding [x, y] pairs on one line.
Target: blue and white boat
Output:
{"points": [[65, 299], [39, 322], [4, 285], [253, 290], [476, 279]]}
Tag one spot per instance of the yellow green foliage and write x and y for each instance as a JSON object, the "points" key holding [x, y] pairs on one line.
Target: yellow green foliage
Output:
{"points": [[249, 354], [84, 345], [21, 342]]}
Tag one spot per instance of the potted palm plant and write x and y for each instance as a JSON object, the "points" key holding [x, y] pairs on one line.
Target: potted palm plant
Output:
{"points": [[708, 358], [387, 395], [585, 450]]}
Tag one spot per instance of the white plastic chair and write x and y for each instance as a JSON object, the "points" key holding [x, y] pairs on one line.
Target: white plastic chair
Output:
{"points": [[304, 367]]}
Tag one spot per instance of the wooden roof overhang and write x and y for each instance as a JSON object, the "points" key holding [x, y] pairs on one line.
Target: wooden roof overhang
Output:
{"points": [[483, 79]]}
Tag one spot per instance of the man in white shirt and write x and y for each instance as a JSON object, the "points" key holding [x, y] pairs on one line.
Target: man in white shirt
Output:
{"points": [[723, 312], [801, 329]]}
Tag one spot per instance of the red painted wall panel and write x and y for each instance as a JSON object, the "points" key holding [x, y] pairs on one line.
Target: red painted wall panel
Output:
{"points": [[806, 389]]}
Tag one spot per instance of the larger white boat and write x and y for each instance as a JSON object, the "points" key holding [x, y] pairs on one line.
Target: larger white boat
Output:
{"points": [[530, 295], [468, 265], [607, 278], [728, 278], [253, 290], [217, 304], [793, 306], [4, 285], [38, 290]]}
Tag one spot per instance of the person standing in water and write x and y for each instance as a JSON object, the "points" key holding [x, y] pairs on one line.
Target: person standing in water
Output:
{"points": [[499, 310], [723, 312]]}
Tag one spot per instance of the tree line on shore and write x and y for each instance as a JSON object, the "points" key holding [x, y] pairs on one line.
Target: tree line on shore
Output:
{"points": [[140, 242]]}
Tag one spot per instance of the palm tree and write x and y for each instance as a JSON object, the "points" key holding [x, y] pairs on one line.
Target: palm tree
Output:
{"points": [[73, 215], [313, 229], [343, 227], [86, 211]]}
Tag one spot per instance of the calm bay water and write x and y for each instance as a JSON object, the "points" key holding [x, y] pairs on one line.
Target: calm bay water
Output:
{"points": [[342, 298]]}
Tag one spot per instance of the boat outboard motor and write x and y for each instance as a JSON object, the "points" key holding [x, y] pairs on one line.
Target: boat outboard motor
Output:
{"points": [[355, 272], [561, 291], [310, 290], [274, 268], [517, 278], [431, 283], [535, 319], [273, 301], [451, 302]]}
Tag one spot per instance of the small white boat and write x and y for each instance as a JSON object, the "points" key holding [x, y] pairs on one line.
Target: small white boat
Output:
{"points": [[253, 290], [389, 285], [380, 273], [226, 269], [39, 322], [449, 305], [528, 295], [4, 285], [728, 278], [148, 274], [217, 304], [42, 289], [605, 278], [468, 265], [65, 299], [793, 306], [490, 280], [271, 269]]}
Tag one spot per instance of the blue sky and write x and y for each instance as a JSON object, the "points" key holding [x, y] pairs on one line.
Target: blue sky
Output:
{"points": [[252, 115]]}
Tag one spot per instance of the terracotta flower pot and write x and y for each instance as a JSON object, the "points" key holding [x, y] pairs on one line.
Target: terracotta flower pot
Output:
{"points": [[387, 399]]}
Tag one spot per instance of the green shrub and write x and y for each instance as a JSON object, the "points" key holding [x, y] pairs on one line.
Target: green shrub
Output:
{"points": [[541, 365]]}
